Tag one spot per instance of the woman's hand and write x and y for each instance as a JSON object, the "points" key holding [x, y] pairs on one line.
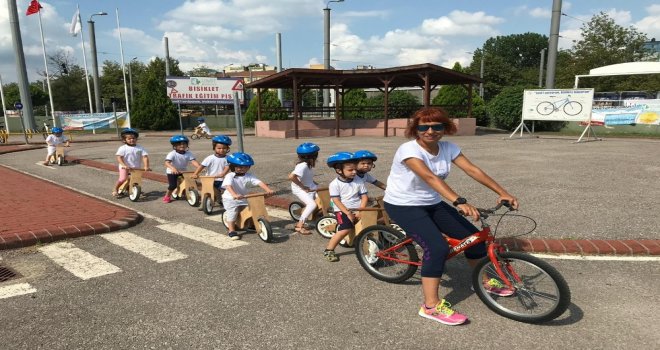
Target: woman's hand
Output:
{"points": [[511, 199], [468, 210]]}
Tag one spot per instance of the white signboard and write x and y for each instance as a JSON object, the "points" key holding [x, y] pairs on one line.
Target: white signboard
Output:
{"points": [[204, 90], [558, 105]]}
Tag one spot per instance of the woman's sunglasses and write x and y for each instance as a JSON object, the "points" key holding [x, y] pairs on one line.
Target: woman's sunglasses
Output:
{"points": [[435, 127]]}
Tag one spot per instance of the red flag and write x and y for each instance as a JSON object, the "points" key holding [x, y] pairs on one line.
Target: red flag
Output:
{"points": [[33, 8]]}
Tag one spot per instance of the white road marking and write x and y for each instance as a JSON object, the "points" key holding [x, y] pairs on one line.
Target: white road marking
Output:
{"points": [[45, 166], [279, 213], [597, 257], [212, 238], [77, 261], [16, 290], [147, 248]]}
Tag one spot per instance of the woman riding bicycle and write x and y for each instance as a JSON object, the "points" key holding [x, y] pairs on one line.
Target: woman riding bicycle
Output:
{"points": [[413, 199]]}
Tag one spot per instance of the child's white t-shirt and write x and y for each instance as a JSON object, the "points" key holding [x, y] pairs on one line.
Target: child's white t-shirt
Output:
{"points": [[132, 155], [239, 184], [367, 178], [406, 188], [205, 127], [349, 193], [53, 141], [179, 161], [305, 174], [214, 165]]}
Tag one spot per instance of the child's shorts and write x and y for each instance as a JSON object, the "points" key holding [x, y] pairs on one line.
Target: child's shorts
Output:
{"points": [[218, 185], [233, 207], [344, 222]]}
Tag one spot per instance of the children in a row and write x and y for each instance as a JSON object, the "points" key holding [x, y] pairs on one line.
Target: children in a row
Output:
{"points": [[347, 191]]}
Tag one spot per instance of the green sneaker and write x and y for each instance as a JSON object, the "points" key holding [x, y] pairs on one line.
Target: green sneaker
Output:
{"points": [[330, 255]]}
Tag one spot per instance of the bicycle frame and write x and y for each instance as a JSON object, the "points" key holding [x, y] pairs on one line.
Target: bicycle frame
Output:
{"points": [[457, 246]]}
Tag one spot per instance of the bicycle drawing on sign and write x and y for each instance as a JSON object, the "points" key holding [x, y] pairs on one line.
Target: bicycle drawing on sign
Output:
{"points": [[566, 105]]}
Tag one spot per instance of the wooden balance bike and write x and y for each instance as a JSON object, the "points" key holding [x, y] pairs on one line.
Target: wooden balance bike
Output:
{"points": [[133, 185], [254, 216], [210, 194], [187, 189]]}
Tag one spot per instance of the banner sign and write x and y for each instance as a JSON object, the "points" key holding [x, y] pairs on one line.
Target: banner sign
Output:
{"points": [[645, 112], [204, 90], [557, 105], [94, 121]]}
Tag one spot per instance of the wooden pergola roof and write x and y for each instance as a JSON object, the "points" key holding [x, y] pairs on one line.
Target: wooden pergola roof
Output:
{"points": [[427, 76]]}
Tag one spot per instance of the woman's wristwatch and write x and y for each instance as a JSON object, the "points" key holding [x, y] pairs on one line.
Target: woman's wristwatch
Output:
{"points": [[459, 201]]}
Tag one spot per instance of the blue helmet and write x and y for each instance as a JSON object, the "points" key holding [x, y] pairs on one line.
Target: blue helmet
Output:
{"points": [[129, 131], [200, 120], [364, 154], [225, 140], [178, 139], [307, 148], [340, 158], [240, 158], [56, 130]]}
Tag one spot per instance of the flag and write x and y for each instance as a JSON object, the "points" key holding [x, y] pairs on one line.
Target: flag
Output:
{"points": [[76, 27], [33, 8]]}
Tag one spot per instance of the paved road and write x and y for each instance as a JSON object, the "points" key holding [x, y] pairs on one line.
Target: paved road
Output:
{"points": [[188, 291]]}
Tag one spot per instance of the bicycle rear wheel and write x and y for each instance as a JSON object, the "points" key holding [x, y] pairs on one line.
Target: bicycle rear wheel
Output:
{"points": [[541, 293], [395, 266]]}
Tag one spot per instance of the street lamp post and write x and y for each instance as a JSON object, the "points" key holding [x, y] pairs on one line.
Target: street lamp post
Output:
{"points": [[130, 77], [326, 47], [541, 66], [95, 63]]}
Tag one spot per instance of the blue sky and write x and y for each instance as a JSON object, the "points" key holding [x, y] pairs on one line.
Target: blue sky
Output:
{"points": [[381, 33]]}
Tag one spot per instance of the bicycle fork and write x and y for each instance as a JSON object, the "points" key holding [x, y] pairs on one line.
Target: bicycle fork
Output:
{"points": [[503, 268]]}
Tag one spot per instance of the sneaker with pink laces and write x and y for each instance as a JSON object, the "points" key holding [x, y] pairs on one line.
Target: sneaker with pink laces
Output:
{"points": [[442, 313], [167, 199], [494, 286]]}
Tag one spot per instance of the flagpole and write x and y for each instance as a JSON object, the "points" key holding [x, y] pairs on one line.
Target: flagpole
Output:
{"points": [[123, 68], [50, 93], [82, 41]]}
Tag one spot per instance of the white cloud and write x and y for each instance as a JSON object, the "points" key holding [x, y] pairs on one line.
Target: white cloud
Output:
{"points": [[365, 14], [622, 18], [540, 12], [462, 23], [650, 25]]}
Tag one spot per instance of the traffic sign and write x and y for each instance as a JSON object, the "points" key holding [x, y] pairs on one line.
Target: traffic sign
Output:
{"points": [[18, 105]]}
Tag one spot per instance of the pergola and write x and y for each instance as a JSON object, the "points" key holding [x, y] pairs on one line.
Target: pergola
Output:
{"points": [[426, 76]]}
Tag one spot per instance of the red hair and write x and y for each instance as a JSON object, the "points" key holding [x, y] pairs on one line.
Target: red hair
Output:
{"points": [[430, 115]]}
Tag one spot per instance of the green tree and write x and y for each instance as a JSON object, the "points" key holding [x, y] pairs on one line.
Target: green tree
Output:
{"points": [[112, 85], [604, 43], [153, 108], [457, 95], [202, 71], [270, 109], [39, 96], [70, 90], [354, 103]]}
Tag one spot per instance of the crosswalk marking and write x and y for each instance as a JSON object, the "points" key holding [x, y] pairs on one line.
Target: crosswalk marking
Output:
{"points": [[214, 239], [275, 213], [16, 290], [149, 249], [77, 261]]}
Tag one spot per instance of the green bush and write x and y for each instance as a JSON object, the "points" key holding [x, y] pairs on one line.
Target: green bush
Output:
{"points": [[271, 109], [457, 95]]}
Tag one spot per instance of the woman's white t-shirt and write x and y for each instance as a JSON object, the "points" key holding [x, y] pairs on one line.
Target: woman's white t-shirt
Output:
{"points": [[305, 174], [404, 187], [132, 155], [179, 160]]}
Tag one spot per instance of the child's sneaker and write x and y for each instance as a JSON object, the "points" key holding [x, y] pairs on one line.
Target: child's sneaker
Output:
{"points": [[167, 199], [442, 313], [330, 255], [494, 286], [234, 236]]}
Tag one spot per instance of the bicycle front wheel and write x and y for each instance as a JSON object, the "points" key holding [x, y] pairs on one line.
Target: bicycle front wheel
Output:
{"points": [[573, 108], [392, 265], [540, 292]]}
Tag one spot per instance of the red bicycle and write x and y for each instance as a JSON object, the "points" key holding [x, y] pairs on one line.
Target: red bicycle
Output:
{"points": [[540, 292]]}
